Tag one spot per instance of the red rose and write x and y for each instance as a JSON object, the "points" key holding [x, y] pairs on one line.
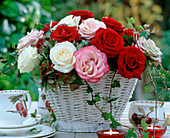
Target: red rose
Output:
{"points": [[113, 24], [129, 32], [108, 41], [47, 26], [131, 62], [83, 13], [39, 44], [65, 33]]}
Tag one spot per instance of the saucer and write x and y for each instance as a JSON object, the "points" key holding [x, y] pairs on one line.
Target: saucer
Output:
{"points": [[29, 122], [43, 131]]}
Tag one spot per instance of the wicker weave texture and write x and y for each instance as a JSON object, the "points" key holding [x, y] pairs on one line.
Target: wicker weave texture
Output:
{"points": [[70, 107]]}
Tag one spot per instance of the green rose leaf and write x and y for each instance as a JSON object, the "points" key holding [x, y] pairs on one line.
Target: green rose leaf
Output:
{"points": [[143, 34], [130, 39], [124, 36]]}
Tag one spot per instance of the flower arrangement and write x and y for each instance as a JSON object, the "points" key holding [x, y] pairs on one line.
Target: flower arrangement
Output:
{"points": [[81, 48]]}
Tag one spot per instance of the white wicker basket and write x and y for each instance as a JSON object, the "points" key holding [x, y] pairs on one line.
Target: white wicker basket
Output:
{"points": [[75, 115]]}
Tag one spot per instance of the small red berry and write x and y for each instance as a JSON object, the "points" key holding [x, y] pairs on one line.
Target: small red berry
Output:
{"points": [[24, 113], [138, 121], [148, 120], [19, 107], [134, 116]]}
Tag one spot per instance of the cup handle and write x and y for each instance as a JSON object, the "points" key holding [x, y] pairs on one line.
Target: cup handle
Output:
{"points": [[29, 100]]}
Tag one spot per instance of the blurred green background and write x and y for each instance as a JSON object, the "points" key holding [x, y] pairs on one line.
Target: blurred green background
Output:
{"points": [[19, 16]]}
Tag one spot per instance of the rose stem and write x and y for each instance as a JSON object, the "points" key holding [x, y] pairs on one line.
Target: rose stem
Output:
{"points": [[156, 99], [162, 80], [111, 90]]}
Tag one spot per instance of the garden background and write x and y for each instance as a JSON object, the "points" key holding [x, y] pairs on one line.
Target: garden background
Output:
{"points": [[19, 16]]}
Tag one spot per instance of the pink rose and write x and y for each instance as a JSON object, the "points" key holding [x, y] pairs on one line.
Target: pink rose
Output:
{"points": [[149, 48], [91, 64], [30, 39], [89, 27]]}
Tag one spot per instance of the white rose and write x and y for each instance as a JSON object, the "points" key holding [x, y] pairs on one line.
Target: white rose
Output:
{"points": [[88, 27], [149, 48], [69, 20], [28, 59], [30, 39], [62, 56]]}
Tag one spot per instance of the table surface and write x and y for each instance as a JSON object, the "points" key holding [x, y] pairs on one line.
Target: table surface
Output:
{"points": [[124, 121]]}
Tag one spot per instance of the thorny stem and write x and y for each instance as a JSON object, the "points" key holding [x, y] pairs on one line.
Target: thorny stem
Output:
{"points": [[163, 68], [162, 80], [111, 90], [96, 104], [8, 70], [150, 75]]}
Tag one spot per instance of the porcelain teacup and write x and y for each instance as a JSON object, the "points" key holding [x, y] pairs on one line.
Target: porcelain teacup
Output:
{"points": [[13, 107]]}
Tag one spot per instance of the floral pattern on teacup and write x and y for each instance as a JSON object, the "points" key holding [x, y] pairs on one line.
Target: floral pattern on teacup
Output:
{"points": [[21, 106]]}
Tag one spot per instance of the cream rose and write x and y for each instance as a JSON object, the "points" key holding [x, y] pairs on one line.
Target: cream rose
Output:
{"points": [[149, 48], [28, 59], [88, 27], [30, 39], [62, 56], [70, 20]]}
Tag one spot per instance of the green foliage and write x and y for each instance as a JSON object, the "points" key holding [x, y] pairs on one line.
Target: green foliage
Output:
{"points": [[130, 23], [89, 89], [131, 134], [54, 119], [105, 115], [111, 100], [116, 83], [144, 124], [17, 18], [144, 127], [97, 97], [114, 123], [91, 102], [145, 134]]}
